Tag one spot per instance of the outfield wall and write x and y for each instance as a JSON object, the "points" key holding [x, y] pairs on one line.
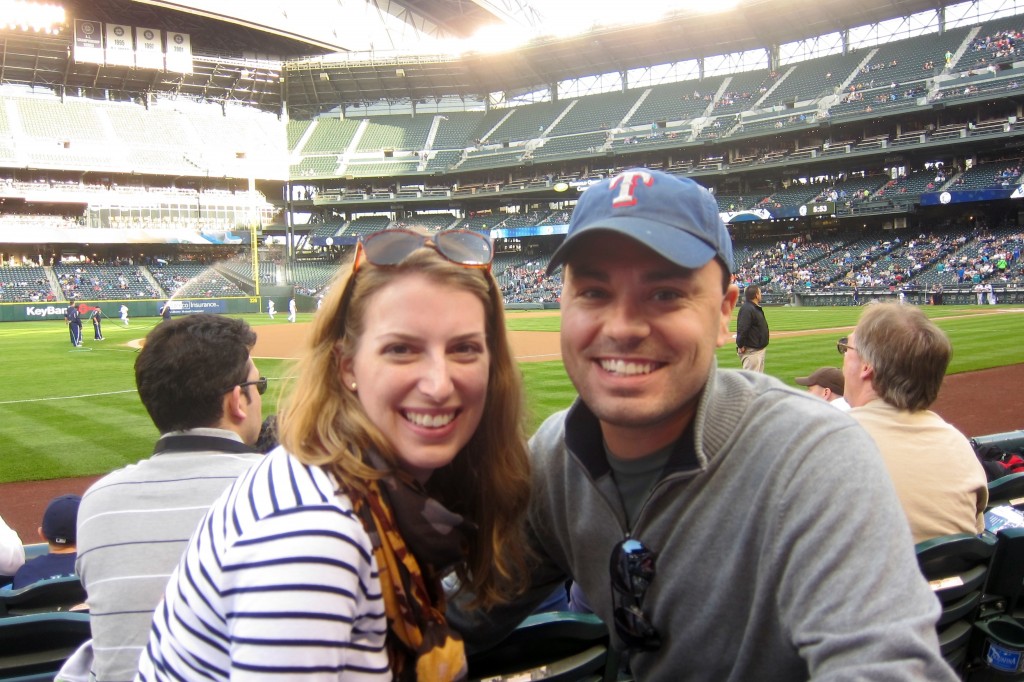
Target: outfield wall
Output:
{"points": [[962, 295], [22, 312]]}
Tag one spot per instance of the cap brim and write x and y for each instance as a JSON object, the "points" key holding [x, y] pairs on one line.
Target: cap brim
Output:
{"points": [[668, 241], [803, 381]]}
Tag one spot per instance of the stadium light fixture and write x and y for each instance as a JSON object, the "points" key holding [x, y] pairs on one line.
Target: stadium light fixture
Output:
{"points": [[496, 38], [571, 18], [37, 17]]}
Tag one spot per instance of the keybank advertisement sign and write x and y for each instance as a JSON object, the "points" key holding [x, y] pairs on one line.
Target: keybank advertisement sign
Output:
{"points": [[189, 307], [45, 312]]}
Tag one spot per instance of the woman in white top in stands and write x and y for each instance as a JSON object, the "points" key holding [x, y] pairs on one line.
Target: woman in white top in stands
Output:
{"points": [[12, 552], [402, 458]]}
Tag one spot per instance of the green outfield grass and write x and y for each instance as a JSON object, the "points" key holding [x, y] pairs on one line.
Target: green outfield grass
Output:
{"points": [[74, 412]]}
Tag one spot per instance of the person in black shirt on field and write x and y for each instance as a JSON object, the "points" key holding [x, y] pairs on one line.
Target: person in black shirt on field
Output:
{"points": [[751, 331], [97, 324], [74, 321]]}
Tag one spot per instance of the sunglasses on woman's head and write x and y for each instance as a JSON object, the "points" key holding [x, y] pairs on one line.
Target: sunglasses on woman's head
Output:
{"points": [[390, 247]]}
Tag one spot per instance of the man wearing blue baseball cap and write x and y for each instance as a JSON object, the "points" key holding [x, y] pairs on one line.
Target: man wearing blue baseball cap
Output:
{"points": [[58, 531], [724, 526]]}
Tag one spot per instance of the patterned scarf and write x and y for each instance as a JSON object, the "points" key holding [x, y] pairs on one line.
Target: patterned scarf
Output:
{"points": [[415, 542]]}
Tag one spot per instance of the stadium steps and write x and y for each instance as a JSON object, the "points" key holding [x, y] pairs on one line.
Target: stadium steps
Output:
{"points": [[639, 102], [353, 145], [775, 86], [432, 133], [148, 276], [14, 124], [51, 277], [964, 46], [301, 143], [710, 108], [856, 71], [547, 131], [497, 125], [247, 285]]}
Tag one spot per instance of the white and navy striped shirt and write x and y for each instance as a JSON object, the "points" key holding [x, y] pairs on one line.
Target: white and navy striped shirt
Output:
{"points": [[278, 582]]}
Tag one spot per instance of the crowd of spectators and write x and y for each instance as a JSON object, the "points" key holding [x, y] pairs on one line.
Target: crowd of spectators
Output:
{"points": [[951, 257], [997, 47], [18, 284], [528, 284], [93, 283]]}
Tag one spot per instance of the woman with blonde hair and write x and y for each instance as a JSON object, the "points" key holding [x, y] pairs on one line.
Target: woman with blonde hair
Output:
{"points": [[403, 458]]}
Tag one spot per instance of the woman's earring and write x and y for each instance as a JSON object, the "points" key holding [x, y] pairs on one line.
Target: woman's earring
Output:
{"points": [[353, 386]]}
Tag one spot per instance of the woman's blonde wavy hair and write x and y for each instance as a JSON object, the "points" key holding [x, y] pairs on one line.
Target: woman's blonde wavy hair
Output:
{"points": [[323, 423]]}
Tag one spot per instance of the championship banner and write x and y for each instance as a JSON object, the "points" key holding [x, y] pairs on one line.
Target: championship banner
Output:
{"points": [[179, 52], [120, 47], [88, 42], [149, 48]]}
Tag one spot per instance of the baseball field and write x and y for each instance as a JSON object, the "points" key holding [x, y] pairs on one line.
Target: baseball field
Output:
{"points": [[73, 413]]}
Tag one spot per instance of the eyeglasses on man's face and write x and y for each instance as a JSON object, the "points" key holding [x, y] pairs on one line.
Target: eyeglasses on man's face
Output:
{"points": [[632, 570], [843, 345], [260, 384]]}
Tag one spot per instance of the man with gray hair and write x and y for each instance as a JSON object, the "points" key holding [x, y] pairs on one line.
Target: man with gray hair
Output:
{"points": [[893, 366]]}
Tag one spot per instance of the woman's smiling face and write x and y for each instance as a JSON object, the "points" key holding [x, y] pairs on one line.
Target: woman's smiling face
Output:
{"points": [[421, 369]]}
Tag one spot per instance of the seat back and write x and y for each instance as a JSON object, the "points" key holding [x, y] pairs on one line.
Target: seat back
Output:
{"points": [[1007, 579], [1006, 491], [551, 646], [54, 594], [39, 643], [1010, 441], [957, 570], [31, 552]]}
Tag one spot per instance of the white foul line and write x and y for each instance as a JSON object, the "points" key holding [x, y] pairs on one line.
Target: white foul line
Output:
{"points": [[64, 397]]}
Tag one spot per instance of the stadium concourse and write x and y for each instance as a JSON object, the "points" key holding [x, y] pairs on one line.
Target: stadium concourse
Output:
{"points": [[974, 402]]}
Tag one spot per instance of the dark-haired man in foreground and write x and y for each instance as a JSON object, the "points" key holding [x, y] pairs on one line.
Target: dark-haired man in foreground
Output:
{"points": [[201, 388], [724, 526]]}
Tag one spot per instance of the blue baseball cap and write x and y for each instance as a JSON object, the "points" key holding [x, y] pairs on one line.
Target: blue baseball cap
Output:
{"points": [[61, 519], [673, 216]]}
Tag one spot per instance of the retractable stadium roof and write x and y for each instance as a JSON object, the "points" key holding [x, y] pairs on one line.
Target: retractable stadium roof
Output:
{"points": [[314, 62]]}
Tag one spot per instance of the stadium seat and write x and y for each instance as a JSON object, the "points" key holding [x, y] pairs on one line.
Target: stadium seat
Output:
{"points": [[1006, 579], [35, 646], [956, 567], [36, 549], [1007, 491], [998, 641], [551, 646], [1010, 441], [55, 594]]}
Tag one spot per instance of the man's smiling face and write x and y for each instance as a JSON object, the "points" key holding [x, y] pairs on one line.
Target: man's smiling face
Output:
{"points": [[639, 335]]}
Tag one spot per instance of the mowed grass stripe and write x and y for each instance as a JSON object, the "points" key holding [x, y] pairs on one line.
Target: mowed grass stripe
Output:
{"points": [[73, 437], [548, 390], [85, 434]]}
